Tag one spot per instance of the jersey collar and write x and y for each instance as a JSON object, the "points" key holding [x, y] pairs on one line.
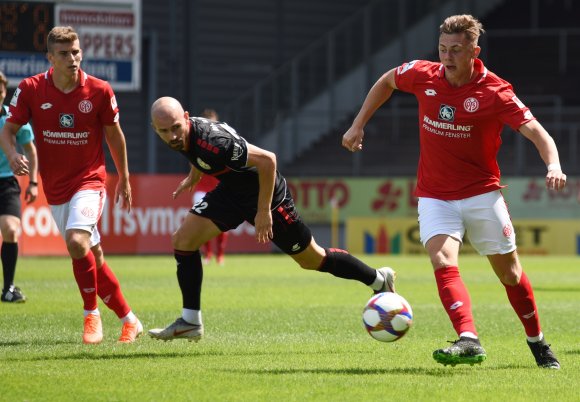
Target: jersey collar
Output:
{"points": [[82, 75], [477, 66]]}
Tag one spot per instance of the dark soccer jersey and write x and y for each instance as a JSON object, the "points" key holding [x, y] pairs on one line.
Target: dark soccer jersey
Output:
{"points": [[216, 149]]}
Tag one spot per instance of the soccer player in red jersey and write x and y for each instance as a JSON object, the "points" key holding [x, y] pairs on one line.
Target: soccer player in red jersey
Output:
{"points": [[70, 112], [462, 110]]}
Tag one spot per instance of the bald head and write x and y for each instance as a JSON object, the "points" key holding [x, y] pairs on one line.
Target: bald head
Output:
{"points": [[170, 122], [165, 106]]}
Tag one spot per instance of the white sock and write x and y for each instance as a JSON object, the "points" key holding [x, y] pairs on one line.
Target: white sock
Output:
{"points": [[191, 316], [130, 317], [468, 335], [536, 338], [95, 312], [379, 282]]}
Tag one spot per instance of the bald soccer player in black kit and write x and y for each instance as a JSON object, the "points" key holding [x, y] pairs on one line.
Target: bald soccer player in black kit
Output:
{"points": [[250, 189]]}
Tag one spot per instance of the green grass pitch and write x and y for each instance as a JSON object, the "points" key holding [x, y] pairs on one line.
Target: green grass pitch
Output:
{"points": [[276, 332]]}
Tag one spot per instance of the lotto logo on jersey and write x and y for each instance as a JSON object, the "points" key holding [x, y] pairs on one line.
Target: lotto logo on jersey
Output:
{"points": [[67, 120], [446, 113]]}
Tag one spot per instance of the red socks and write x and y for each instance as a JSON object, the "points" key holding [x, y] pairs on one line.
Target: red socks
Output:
{"points": [[109, 291], [521, 297], [455, 299], [85, 272]]}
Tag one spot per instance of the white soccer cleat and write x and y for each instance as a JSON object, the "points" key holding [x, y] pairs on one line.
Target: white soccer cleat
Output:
{"points": [[390, 275], [180, 329]]}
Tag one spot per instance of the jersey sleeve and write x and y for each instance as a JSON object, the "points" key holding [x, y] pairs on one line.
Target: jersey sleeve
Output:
{"points": [[406, 74], [19, 109], [511, 110], [110, 112]]}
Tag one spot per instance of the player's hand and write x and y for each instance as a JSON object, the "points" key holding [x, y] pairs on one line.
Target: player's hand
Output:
{"points": [[555, 180], [31, 194], [353, 138], [186, 184], [19, 164], [263, 225], [123, 194]]}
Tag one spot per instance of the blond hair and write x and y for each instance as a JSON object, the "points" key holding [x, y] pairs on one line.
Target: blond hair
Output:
{"points": [[3, 79], [465, 23], [61, 35]]}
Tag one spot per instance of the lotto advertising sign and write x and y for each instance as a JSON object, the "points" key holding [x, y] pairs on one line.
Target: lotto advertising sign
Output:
{"points": [[372, 197], [146, 229], [393, 198], [401, 236]]}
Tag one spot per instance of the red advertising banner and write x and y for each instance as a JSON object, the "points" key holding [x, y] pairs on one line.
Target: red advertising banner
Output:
{"points": [[146, 229]]}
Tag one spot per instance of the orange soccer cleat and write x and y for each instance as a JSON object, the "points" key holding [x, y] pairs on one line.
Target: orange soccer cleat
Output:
{"points": [[93, 331], [131, 331]]}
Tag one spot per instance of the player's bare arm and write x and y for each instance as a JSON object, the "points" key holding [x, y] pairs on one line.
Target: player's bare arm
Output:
{"points": [[118, 147], [265, 162], [535, 132], [32, 189], [189, 182], [378, 94], [18, 162]]}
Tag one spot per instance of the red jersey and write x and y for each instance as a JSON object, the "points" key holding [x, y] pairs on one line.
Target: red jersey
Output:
{"points": [[68, 129], [460, 128]]}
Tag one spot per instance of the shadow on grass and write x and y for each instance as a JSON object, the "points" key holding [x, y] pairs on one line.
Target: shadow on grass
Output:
{"points": [[433, 372], [37, 343], [556, 289]]}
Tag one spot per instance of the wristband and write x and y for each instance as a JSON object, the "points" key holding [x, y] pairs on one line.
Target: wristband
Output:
{"points": [[32, 183], [554, 166]]}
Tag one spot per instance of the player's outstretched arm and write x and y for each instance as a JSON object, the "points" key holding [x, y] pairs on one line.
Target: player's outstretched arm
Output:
{"points": [[265, 163], [378, 94], [535, 132], [189, 182]]}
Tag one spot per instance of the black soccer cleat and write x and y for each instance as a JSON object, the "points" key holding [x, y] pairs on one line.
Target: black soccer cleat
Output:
{"points": [[13, 295], [544, 356], [463, 351]]}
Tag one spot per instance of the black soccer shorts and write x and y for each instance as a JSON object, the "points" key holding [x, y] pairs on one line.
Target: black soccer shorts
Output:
{"points": [[228, 211], [10, 196]]}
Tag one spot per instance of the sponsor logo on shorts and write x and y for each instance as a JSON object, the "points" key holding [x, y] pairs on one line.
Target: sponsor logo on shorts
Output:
{"points": [[508, 230], [296, 247], [88, 212]]}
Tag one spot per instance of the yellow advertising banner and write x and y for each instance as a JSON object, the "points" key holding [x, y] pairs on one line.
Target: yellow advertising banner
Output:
{"points": [[401, 236], [392, 197]]}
